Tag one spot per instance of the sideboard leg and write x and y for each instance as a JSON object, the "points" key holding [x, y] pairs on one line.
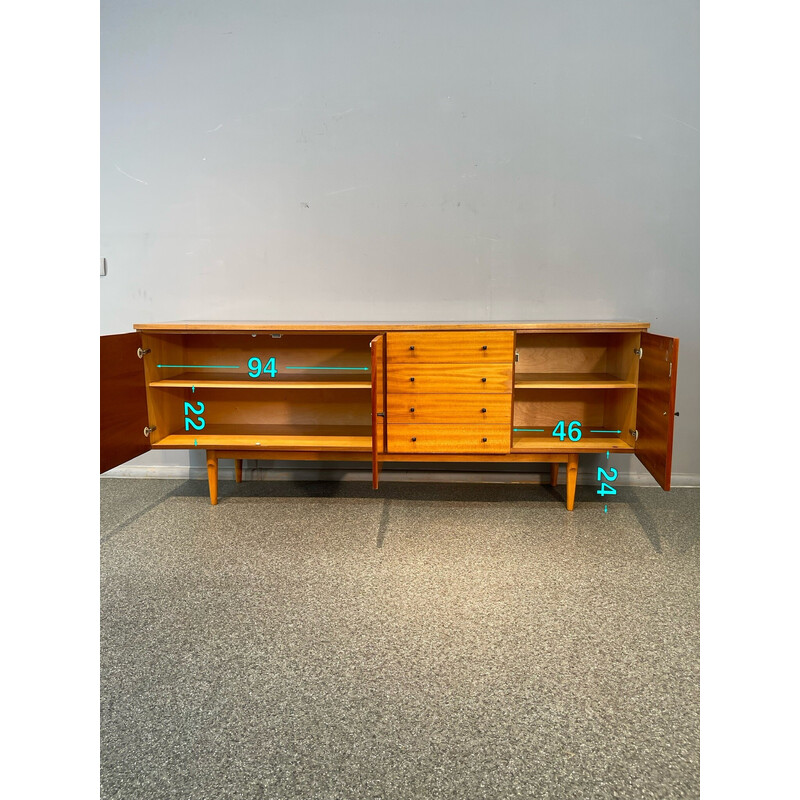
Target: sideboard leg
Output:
{"points": [[211, 462], [238, 466], [572, 479], [376, 469], [554, 474]]}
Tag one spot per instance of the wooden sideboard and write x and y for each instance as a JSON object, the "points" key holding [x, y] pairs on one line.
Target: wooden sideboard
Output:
{"points": [[443, 392]]}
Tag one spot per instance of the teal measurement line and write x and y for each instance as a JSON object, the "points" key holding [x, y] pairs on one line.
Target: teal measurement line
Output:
{"points": [[532, 430], [200, 366], [605, 431], [364, 369]]}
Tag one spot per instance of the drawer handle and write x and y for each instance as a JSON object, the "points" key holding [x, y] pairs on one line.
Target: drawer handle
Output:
{"points": [[482, 379], [412, 380], [484, 347], [411, 409], [483, 411], [412, 347], [413, 438], [484, 439]]}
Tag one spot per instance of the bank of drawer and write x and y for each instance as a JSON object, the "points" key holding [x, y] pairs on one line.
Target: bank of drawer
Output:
{"points": [[476, 409], [465, 439], [450, 347], [449, 378]]}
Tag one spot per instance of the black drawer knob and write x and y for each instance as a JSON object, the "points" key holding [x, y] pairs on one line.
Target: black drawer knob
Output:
{"points": [[484, 347], [411, 409], [412, 347], [484, 439], [483, 411], [483, 379], [412, 380], [413, 438]]}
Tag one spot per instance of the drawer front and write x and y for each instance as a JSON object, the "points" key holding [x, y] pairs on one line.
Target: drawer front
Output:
{"points": [[450, 347], [448, 438], [449, 378], [475, 409]]}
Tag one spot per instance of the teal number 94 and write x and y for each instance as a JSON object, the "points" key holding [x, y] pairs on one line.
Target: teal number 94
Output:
{"points": [[256, 367], [574, 431]]}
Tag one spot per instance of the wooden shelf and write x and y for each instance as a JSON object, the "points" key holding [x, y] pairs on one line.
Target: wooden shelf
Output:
{"points": [[205, 381], [570, 380], [545, 442], [346, 438]]}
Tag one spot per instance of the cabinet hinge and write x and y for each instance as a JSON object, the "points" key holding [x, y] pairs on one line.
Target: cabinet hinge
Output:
{"points": [[379, 414], [516, 356], [633, 432], [670, 370], [142, 353], [276, 335], [639, 351]]}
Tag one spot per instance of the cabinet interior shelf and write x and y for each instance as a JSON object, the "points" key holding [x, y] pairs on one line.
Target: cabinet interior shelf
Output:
{"points": [[204, 381], [345, 438], [570, 380], [545, 442]]}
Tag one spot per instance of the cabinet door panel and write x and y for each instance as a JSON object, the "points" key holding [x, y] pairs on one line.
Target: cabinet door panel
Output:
{"points": [[123, 401], [655, 406], [378, 399]]}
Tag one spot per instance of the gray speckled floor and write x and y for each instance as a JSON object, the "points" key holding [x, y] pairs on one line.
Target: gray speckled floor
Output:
{"points": [[321, 640]]}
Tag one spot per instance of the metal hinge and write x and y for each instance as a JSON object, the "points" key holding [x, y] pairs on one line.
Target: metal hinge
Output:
{"points": [[639, 351], [670, 370], [633, 432], [276, 335], [142, 353], [379, 414], [516, 356]]}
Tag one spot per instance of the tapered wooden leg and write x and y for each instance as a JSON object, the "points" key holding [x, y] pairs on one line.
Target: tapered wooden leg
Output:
{"points": [[376, 469], [238, 466], [554, 474], [572, 479], [211, 462]]}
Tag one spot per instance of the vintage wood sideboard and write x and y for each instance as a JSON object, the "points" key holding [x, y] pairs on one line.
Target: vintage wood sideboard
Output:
{"points": [[441, 392]]}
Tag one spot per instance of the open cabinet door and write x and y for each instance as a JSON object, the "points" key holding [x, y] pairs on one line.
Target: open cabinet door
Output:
{"points": [[123, 400], [378, 405], [655, 406]]}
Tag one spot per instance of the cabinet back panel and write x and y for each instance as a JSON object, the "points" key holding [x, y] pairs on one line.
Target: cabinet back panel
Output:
{"points": [[578, 352], [276, 407], [339, 353], [543, 408]]}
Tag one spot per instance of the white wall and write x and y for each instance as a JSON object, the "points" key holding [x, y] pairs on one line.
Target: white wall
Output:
{"points": [[404, 161]]}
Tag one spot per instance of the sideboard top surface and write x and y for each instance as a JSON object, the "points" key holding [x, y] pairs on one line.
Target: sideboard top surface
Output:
{"points": [[236, 326]]}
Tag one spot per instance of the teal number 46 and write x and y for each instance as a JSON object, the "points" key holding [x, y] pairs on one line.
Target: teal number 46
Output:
{"points": [[574, 431]]}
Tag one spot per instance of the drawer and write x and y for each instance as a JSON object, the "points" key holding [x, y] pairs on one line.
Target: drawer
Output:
{"points": [[450, 347], [449, 378], [475, 409], [448, 438]]}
